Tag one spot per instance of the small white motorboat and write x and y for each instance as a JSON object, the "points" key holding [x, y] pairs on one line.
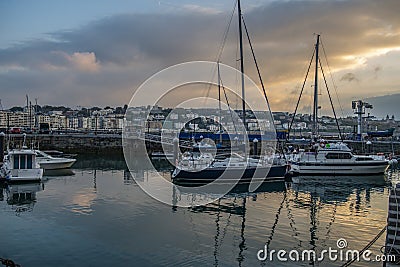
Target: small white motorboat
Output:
{"points": [[48, 162], [20, 165]]}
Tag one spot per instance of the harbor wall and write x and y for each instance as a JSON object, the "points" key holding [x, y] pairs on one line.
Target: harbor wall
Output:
{"points": [[374, 147], [70, 143], [92, 143]]}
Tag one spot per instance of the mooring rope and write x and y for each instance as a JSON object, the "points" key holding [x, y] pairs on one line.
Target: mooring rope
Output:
{"points": [[366, 247]]}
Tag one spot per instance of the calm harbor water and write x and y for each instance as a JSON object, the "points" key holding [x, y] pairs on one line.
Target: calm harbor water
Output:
{"points": [[96, 215]]}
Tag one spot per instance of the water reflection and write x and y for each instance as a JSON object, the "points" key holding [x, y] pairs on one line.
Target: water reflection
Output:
{"points": [[312, 207], [101, 211], [351, 195], [60, 172], [82, 201], [330, 189], [21, 197], [107, 161], [134, 175], [116, 161], [230, 207], [311, 214], [319, 198], [234, 204]]}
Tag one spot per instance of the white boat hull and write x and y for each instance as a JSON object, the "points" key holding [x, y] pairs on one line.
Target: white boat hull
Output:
{"points": [[24, 175], [56, 164], [340, 169]]}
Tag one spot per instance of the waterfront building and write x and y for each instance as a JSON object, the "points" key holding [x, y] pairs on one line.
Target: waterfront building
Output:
{"points": [[16, 119]]}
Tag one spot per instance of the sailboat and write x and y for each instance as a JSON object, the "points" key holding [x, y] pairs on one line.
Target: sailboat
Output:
{"points": [[232, 168], [326, 158]]}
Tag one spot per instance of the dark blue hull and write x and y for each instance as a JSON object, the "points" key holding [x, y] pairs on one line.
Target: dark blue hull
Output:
{"points": [[385, 133], [231, 175]]}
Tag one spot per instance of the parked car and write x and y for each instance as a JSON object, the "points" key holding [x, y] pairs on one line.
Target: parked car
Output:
{"points": [[15, 130]]}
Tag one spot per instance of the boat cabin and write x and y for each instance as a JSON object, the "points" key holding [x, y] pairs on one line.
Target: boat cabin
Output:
{"points": [[22, 159]]}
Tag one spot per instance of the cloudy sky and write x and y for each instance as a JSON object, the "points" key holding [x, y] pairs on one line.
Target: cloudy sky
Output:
{"points": [[96, 53]]}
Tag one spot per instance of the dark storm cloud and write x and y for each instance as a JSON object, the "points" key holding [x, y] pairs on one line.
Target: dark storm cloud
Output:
{"points": [[127, 48], [124, 39], [104, 61], [349, 77]]}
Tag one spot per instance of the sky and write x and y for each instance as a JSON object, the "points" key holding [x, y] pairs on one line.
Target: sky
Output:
{"points": [[97, 53]]}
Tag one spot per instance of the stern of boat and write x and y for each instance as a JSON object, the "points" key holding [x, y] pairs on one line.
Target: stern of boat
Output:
{"points": [[24, 175]]}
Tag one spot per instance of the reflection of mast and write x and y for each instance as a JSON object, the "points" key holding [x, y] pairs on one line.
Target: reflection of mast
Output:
{"points": [[242, 245], [230, 209], [174, 199], [216, 238], [95, 180], [1, 193], [313, 223], [276, 221]]}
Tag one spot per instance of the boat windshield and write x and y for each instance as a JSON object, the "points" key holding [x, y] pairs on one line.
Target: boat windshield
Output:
{"points": [[41, 154]]}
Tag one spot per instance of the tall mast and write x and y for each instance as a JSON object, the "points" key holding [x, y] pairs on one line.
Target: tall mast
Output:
{"points": [[30, 115], [241, 64], [36, 114], [219, 104], [315, 109]]}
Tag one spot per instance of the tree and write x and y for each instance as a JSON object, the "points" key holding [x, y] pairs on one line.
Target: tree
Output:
{"points": [[84, 112], [16, 109]]}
